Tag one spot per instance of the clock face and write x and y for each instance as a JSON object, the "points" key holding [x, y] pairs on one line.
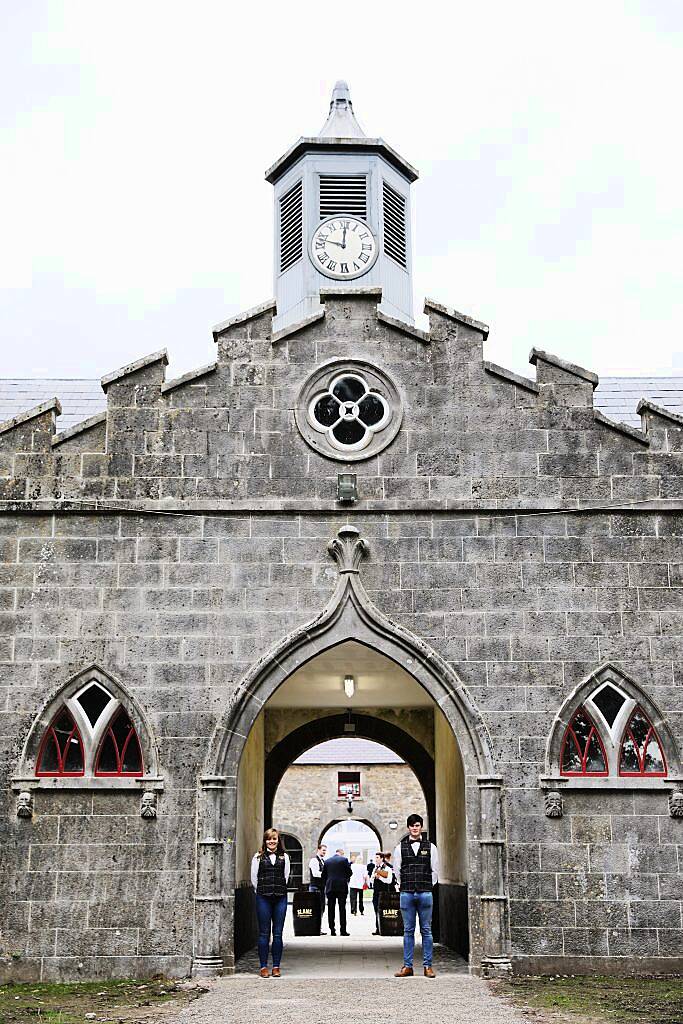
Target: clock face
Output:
{"points": [[343, 247]]}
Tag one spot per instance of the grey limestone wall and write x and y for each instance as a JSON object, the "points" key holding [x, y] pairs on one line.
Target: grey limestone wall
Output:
{"points": [[208, 547]]}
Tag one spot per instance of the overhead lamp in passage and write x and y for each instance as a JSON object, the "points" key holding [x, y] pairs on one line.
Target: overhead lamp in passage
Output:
{"points": [[349, 686]]}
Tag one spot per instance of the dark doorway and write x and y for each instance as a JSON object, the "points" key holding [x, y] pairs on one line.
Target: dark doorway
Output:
{"points": [[296, 860]]}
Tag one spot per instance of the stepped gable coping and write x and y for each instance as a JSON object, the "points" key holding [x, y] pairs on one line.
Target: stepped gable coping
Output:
{"points": [[156, 357], [30, 414], [645, 405], [185, 378], [342, 293], [562, 364], [79, 428], [459, 318], [401, 325], [621, 428], [298, 326], [243, 318], [513, 378]]}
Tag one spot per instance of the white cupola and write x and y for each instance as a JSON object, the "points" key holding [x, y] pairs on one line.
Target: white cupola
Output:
{"points": [[342, 217]]}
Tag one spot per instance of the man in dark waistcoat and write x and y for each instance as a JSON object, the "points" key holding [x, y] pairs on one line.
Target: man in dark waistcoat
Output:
{"points": [[416, 866], [315, 871]]}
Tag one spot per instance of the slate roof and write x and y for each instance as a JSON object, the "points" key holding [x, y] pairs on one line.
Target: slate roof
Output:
{"points": [[349, 751], [616, 397], [80, 398]]}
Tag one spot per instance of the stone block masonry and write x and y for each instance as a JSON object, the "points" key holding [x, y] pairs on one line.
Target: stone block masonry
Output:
{"points": [[526, 541]]}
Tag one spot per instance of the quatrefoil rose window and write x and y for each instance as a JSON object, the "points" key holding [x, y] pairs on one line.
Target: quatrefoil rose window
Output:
{"points": [[349, 411]]}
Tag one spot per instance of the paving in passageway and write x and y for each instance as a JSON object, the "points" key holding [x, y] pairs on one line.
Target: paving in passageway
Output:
{"points": [[362, 955], [349, 981]]}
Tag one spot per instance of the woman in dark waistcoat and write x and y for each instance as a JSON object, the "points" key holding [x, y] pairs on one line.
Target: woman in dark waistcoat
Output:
{"points": [[269, 876]]}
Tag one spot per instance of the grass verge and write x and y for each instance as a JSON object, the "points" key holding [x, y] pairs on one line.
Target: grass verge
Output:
{"points": [[119, 1002], [596, 999]]}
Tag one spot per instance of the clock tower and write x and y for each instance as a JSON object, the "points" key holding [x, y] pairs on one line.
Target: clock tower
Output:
{"points": [[342, 217]]}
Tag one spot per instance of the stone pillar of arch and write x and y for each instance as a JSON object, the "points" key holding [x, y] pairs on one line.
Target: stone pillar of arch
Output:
{"points": [[210, 899], [495, 911]]}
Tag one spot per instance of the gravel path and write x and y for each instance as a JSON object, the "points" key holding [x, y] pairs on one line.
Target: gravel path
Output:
{"points": [[452, 999]]}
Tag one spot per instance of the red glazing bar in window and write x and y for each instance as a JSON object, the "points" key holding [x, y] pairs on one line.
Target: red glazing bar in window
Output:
{"points": [[641, 752], [51, 735], [571, 735], [119, 754]]}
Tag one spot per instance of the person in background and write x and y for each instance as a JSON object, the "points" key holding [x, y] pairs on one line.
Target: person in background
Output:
{"points": [[315, 873], [269, 876], [370, 867], [336, 874], [416, 864], [382, 881], [359, 881]]}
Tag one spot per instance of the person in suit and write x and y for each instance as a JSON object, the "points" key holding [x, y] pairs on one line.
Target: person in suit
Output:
{"points": [[336, 875]]}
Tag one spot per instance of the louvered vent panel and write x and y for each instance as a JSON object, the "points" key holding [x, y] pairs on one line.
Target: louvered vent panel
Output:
{"points": [[394, 224], [343, 193], [291, 226]]}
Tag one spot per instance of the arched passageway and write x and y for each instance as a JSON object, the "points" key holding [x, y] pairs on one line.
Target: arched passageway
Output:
{"points": [[294, 685], [346, 724]]}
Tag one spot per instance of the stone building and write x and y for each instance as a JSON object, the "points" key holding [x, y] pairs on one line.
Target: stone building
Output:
{"points": [[188, 575], [313, 796]]}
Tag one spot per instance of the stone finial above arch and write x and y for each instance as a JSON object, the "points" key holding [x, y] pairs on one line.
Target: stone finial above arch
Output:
{"points": [[351, 615], [66, 696], [635, 694]]}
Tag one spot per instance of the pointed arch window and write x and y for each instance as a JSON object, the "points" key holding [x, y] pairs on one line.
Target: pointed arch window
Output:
{"points": [[583, 752], [92, 735], [641, 752], [119, 752], [609, 728], [61, 750]]}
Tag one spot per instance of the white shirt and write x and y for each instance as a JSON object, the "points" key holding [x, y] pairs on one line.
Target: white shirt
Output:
{"points": [[314, 867], [389, 874], [359, 875], [255, 863], [416, 847]]}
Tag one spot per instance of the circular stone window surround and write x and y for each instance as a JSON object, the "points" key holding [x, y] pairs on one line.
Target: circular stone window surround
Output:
{"points": [[375, 411]]}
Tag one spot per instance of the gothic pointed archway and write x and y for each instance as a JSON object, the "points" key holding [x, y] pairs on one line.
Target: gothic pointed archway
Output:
{"points": [[350, 616]]}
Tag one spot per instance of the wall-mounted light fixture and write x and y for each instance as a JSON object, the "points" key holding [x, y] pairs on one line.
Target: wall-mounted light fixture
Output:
{"points": [[393, 824], [346, 487], [349, 686]]}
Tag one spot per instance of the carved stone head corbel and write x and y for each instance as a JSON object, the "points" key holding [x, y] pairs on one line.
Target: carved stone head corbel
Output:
{"points": [[553, 804], [148, 805], [25, 804], [676, 804]]}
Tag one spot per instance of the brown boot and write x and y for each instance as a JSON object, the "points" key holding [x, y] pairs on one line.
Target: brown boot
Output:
{"points": [[405, 972], [276, 972], [264, 972], [429, 972]]}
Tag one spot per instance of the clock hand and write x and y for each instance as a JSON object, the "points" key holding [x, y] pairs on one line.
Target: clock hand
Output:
{"points": [[330, 242], [343, 241]]}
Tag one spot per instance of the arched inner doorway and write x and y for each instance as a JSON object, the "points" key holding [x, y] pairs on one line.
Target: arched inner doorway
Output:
{"points": [[389, 707], [355, 836]]}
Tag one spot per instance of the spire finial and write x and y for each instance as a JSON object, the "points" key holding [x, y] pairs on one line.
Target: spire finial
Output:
{"points": [[341, 122]]}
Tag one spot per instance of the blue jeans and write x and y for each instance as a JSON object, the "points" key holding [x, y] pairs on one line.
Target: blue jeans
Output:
{"points": [[420, 904], [270, 911]]}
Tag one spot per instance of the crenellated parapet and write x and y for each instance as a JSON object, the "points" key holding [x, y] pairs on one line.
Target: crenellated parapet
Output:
{"points": [[464, 431]]}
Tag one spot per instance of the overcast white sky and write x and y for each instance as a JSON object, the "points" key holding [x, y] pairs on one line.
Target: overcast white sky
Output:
{"points": [[134, 136]]}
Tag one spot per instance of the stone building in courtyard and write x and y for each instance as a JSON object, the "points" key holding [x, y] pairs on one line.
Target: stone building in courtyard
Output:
{"points": [[188, 575], [312, 800]]}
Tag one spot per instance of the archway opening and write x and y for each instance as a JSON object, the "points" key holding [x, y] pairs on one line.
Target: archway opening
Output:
{"points": [[316, 705]]}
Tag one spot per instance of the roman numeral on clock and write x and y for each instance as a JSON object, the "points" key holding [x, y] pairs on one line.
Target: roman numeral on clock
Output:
{"points": [[343, 268]]}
